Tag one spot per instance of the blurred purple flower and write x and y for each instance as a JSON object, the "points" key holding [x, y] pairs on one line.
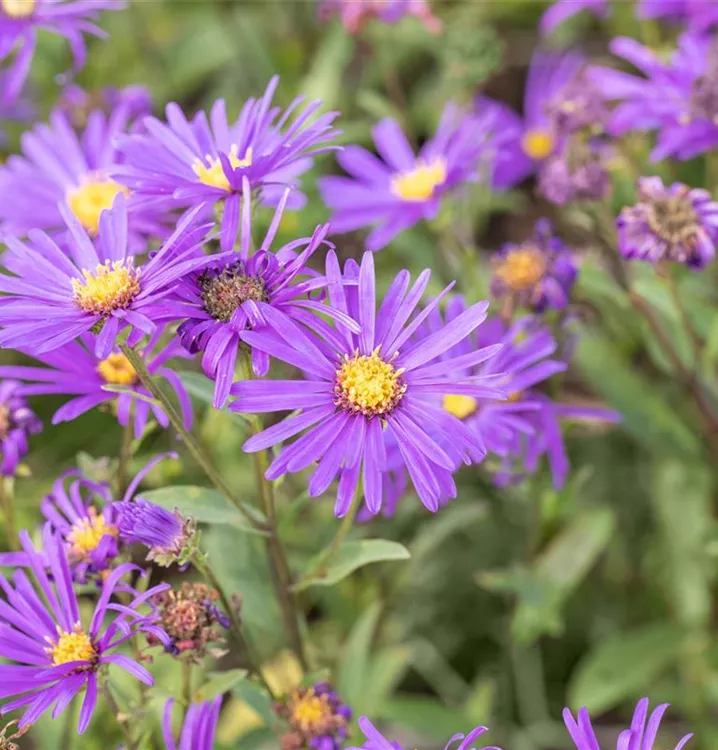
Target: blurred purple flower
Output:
{"points": [[317, 717], [675, 223], [233, 291], [528, 140], [561, 10], [678, 99], [641, 735], [578, 172], [60, 166], [375, 740], [74, 370], [698, 15], [17, 423], [355, 13], [20, 21], [78, 104], [57, 295], [358, 388], [200, 725], [538, 273], [20, 109], [399, 189], [206, 161], [52, 655]]}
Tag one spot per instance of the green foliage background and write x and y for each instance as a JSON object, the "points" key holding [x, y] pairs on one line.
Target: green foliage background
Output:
{"points": [[514, 602]]}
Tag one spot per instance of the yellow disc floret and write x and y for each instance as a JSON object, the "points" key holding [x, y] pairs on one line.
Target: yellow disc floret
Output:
{"points": [[420, 183], [73, 646], [538, 143], [18, 8], [212, 173], [86, 534], [111, 286], [368, 385], [310, 712], [91, 198], [522, 268], [460, 406], [117, 370]]}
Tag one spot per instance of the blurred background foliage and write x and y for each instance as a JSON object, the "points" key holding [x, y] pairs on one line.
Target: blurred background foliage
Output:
{"points": [[515, 602]]}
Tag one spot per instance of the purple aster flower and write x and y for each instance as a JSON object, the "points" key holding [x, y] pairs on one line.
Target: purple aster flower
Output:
{"points": [[678, 98], [17, 422], [167, 534], [61, 167], [355, 13], [206, 160], [78, 104], [375, 740], [699, 15], [561, 10], [55, 295], [399, 189], [675, 223], [80, 513], [640, 736], [578, 172], [20, 21], [74, 370], [53, 655], [529, 140], [199, 727], [232, 292], [360, 388], [317, 718], [538, 273]]}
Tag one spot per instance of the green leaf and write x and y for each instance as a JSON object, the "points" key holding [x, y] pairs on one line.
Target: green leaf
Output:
{"points": [[646, 413], [387, 670], [435, 532], [621, 666], [353, 669], [425, 716], [351, 556], [256, 697], [202, 388], [203, 504], [219, 683]]}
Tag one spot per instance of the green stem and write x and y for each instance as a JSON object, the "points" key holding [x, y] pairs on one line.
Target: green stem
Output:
{"points": [[117, 713], [252, 661], [187, 685], [123, 468], [696, 344], [278, 565], [8, 510], [198, 453]]}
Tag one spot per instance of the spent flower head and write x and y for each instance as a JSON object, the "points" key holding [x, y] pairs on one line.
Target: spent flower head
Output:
{"points": [[317, 718]]}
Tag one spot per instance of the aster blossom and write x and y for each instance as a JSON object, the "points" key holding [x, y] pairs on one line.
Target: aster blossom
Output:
{"points": [[359, 388], [199, 728], [17, 423], [354, 14], [20, 20], [52, 654], [675, 223], [232, 293], [640, 736], [400, 188], [57, 295], [538, 273], [528, 140], [74, 369], [677, 99], [375, 740], [205, 160], [61, 167], [699, 15], [77, 103]]}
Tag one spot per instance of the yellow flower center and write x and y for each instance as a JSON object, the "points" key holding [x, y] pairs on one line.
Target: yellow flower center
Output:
{"points": [[18, 8], [522, 268], [538, 143], [91, 198], [117, 370], [74, 646], [367, 384], [212, 173], [86, 534], [460, 406], [111, 286], [419, 184], [310, 712]]}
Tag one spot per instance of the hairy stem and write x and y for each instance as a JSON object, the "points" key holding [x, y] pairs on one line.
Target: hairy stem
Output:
{"points": [[198, 453]]}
